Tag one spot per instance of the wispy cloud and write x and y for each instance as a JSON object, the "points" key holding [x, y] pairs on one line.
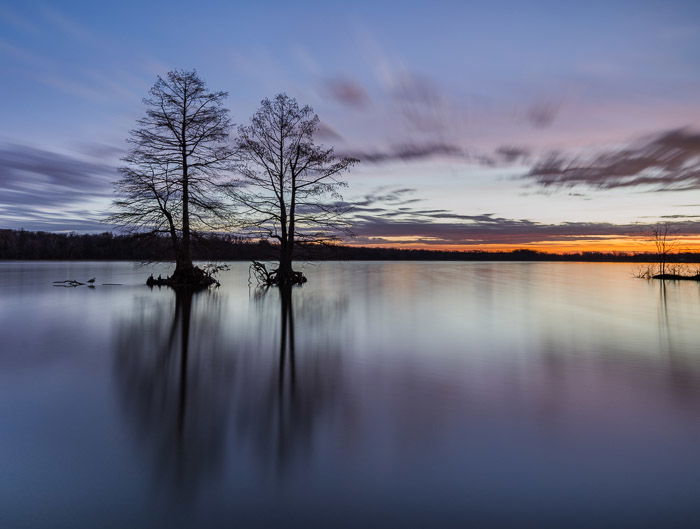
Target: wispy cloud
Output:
{"points": [[542, 113], [397, 216], [347, 92], [50, 189], [408, 152], [324, 132], [70, 27], [669, 161], [510, 154], [487, 229]]}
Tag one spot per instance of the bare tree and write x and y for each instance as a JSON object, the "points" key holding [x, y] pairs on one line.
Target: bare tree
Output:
{"points": [[288, 185], [177, 155], [665, 245]]}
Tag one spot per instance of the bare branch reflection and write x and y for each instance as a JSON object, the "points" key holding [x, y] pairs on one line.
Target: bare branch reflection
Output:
{"points": [[195, 382], [174, 386], [302, 393]]}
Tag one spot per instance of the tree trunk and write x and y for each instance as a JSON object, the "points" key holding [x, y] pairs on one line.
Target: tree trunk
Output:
{"points": [[285, 272], [184, 258], [173, 234], [183, 266]]}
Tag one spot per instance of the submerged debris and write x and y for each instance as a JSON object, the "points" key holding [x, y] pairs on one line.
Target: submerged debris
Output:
{"points": [[67, 283], [90, 283]]}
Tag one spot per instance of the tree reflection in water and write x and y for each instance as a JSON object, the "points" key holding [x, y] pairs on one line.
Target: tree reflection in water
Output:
{"points": [[175, 393], [300, 393], [188, 374]]}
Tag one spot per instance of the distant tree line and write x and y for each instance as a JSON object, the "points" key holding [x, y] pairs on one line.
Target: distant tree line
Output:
{"points": [[30, 245]]}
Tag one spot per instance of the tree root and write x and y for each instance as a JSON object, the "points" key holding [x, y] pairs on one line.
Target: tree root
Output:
{"points": [[273, 277], [193, 277]]}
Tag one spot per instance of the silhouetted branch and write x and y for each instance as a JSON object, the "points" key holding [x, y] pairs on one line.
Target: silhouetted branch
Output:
{"points": [[284, 177]]}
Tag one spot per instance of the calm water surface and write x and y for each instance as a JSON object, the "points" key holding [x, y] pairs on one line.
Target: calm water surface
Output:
{"points": [[404, 394]]}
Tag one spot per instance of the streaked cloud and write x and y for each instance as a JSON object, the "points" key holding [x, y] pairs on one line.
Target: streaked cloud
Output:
{"points": [[542, 113], [485, 229], [347, 92], [399, 216], [408, 152], [669, 161], [43, 189]]}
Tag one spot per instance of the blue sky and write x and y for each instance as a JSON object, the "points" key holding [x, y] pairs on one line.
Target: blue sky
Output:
{"points": [[457, 106]]}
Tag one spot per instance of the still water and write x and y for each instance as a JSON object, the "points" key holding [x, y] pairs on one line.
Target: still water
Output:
{"points": [[389, 394]]}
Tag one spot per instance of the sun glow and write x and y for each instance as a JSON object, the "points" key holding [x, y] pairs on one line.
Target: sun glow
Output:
{"points": [[578, 245]]}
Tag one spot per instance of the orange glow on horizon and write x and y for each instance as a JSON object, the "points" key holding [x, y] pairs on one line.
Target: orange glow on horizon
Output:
{"points": [[621, 244]]}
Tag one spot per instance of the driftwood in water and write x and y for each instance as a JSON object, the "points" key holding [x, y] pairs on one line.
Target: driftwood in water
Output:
{"points": [[68, 283], [72, 283], [274, 277]]}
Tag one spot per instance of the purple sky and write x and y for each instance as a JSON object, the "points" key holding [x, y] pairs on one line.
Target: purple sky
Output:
{"points": [[487, 124]]}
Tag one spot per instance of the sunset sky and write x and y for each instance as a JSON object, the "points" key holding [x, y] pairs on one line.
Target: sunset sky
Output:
{"points": [[559, 126]]}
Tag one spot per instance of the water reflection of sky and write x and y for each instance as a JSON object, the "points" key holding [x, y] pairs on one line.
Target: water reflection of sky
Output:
{"points": [[411, 393]]}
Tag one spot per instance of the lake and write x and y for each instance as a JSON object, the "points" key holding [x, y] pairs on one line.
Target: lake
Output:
{"points": [[396, 394]]}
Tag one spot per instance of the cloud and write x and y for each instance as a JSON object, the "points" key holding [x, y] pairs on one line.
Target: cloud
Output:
{"points": [[487, 229], [306, 60], [94, 85], [66, 221], [347, 92], [22, 55], [541, 114], [669, 161], [501, 157], [424, 104], [70, 27], [326, 132], [680, 217], [390, 216], [418, 99], [50, 189], [511, 154], [408, 152], [383, 195]]}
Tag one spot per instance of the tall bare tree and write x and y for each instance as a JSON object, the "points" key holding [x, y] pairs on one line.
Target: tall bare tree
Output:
{"points": [[178, 154], [288, 184]]}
